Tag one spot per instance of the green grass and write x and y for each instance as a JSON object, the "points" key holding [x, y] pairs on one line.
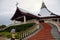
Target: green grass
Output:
{"points": [[8, 35]]}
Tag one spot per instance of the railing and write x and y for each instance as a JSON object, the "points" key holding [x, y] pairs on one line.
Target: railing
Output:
{"points": [[58, 23], [53, 22], [30, 21], [28, 32]]}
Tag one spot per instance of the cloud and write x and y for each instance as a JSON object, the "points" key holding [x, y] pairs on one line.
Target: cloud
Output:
{"points": [[7, 9], [53, 5], [32, 6]]}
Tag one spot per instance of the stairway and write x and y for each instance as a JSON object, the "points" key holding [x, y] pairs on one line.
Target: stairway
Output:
{"points": [[44, 34]]}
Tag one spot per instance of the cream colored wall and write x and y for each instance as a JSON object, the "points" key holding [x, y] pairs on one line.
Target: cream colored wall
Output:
{"points": [[33, 21], [50, 19], [47, 20], [29, 21]]}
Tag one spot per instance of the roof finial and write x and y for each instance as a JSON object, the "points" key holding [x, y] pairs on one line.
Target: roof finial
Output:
{"points": [[16, 4]]}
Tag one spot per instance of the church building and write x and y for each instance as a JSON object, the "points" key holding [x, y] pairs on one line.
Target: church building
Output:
{"points": [[25, 17]]}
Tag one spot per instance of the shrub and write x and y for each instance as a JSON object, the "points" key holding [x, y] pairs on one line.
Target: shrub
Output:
{"points": [[18, 28], [6, 34], [17, 36], [2, 26]]}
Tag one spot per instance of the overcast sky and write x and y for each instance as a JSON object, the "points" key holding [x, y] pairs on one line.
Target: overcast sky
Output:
{"points": [[8, 8]]}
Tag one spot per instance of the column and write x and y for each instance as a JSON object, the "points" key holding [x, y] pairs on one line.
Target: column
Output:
{"points": [[24, 19], [58, 20], [14, 22]]}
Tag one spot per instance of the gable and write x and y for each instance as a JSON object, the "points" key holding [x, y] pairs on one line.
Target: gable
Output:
{"points": [[44, 12]]}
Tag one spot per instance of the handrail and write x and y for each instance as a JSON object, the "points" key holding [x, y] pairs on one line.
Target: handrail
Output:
{"points": [[54, 24], [28, 32]]}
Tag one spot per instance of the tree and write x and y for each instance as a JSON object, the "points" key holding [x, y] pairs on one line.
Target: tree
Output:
{"points": [[2, 26]]}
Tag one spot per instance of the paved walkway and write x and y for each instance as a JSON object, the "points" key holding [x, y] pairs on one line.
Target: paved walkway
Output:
{"points": [[55, 32], [44, 34], [2, 38]]}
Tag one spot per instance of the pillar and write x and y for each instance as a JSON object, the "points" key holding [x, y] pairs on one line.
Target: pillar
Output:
{"points": [[14, 22], [57, 20], [24, 19]]}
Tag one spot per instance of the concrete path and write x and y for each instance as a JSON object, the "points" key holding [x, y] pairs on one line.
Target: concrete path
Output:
{"points": [[55, 32]]}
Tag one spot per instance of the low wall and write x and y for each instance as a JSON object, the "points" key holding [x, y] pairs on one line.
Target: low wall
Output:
{"points": [[54, 24]]}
